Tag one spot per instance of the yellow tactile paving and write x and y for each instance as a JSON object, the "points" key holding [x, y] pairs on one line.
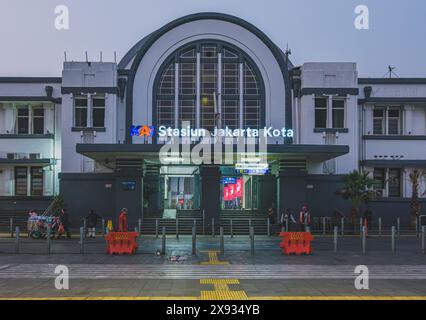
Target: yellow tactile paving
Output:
{"points": [[213, 259], [222, 290], [422, 298]]}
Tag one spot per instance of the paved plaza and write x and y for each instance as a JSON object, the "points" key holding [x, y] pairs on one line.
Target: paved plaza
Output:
{"points": [[234, 274]]}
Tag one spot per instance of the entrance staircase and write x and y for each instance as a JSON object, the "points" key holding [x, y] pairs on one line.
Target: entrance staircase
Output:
{"points": [[241, 222]]}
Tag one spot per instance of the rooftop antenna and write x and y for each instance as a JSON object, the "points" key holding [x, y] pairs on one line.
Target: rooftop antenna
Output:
{"points": [[65, 56], [87, 58], [287, 54], [101, 56], [115, 56], [391, 72]]}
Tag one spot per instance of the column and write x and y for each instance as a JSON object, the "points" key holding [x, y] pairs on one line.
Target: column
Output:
{"points": [[210, 192], [407, 120], [367, 118], [291, 190]]}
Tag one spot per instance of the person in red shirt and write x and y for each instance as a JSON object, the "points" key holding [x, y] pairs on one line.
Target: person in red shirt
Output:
{"points": [[122, 220]]}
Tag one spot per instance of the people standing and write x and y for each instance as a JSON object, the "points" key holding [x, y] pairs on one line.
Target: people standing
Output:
{"points": [[305, 219], [287, 220], [122, 221], [271, 214], [64, 221], [92, 221]]}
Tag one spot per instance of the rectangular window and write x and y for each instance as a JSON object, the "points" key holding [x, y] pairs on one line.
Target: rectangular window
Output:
{"points": [[187, 112], [230, 114], [98, 112], [165, 113], [394, 116], [338, 114], [321, 113], [394, 184], [80, 112], [379, 121], [187, 80], [38, 120], [21, 178], [209, 52], [379, 177], [23, 121], [36, 181], [230, 82], [387, 121]]}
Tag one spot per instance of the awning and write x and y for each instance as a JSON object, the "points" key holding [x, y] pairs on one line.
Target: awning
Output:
{"points": [[110, 153]]}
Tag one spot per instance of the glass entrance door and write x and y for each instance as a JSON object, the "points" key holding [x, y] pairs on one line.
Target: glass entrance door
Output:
{"points": [[239, 193]]}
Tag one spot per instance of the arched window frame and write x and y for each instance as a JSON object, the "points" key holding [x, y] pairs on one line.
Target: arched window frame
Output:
{"points": [[247, 101]]}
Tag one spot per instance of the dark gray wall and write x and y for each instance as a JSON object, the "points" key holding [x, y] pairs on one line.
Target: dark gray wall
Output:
{"points": [[322, 200], [210, 192], [102, 193]]}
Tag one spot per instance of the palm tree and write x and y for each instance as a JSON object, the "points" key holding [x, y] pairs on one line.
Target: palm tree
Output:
{"points": [[415, 176], [358, 188]]}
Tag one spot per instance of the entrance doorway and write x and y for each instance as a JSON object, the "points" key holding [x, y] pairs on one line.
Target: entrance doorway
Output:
{"points": [[239, 193]]}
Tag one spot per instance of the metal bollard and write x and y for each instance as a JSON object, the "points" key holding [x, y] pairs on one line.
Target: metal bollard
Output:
{"points": [[81, 240], [398, 226], [323, 226], [17, 239], [163, 242], [335, 238], [103, 226], [423, 239], [177, 228], [204, 222], [232, 229], [380, 226], [393, 240], [194, 241], [156, 228], [11, 227], [343, 226], [48, 242], [84, 227], [364, 240], [268, 227], [417, 228], [140, 226], [252, 241], [213, 231], [222, 241]]}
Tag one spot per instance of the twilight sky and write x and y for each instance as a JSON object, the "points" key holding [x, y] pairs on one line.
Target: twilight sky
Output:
{"points": [[316, 30]]}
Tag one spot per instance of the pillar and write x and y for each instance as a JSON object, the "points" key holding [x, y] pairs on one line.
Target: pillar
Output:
{"points": [[210, 192], [291, 190]]}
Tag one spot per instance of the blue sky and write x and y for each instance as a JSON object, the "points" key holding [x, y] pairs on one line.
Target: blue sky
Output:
{"points": [[316, 30]]}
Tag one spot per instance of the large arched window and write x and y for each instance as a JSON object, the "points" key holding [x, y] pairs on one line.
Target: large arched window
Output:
{"points": [[209, 84]]}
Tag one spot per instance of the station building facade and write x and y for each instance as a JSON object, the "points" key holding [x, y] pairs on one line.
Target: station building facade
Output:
{"points": [[77, 135]]}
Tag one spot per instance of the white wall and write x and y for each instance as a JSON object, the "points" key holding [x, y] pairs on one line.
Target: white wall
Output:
{"points": [[330, 75], [80, 74]]}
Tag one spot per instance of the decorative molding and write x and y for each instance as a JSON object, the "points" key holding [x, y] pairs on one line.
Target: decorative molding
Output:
{"points": [[85, 90], [330, 91]]}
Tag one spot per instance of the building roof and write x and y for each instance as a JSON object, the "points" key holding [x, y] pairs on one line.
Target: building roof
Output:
{"points": [[201, 16]]}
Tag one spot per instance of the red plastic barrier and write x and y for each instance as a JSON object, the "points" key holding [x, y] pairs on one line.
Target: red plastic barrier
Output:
{"points": [[296, 242], [121, 242]]}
